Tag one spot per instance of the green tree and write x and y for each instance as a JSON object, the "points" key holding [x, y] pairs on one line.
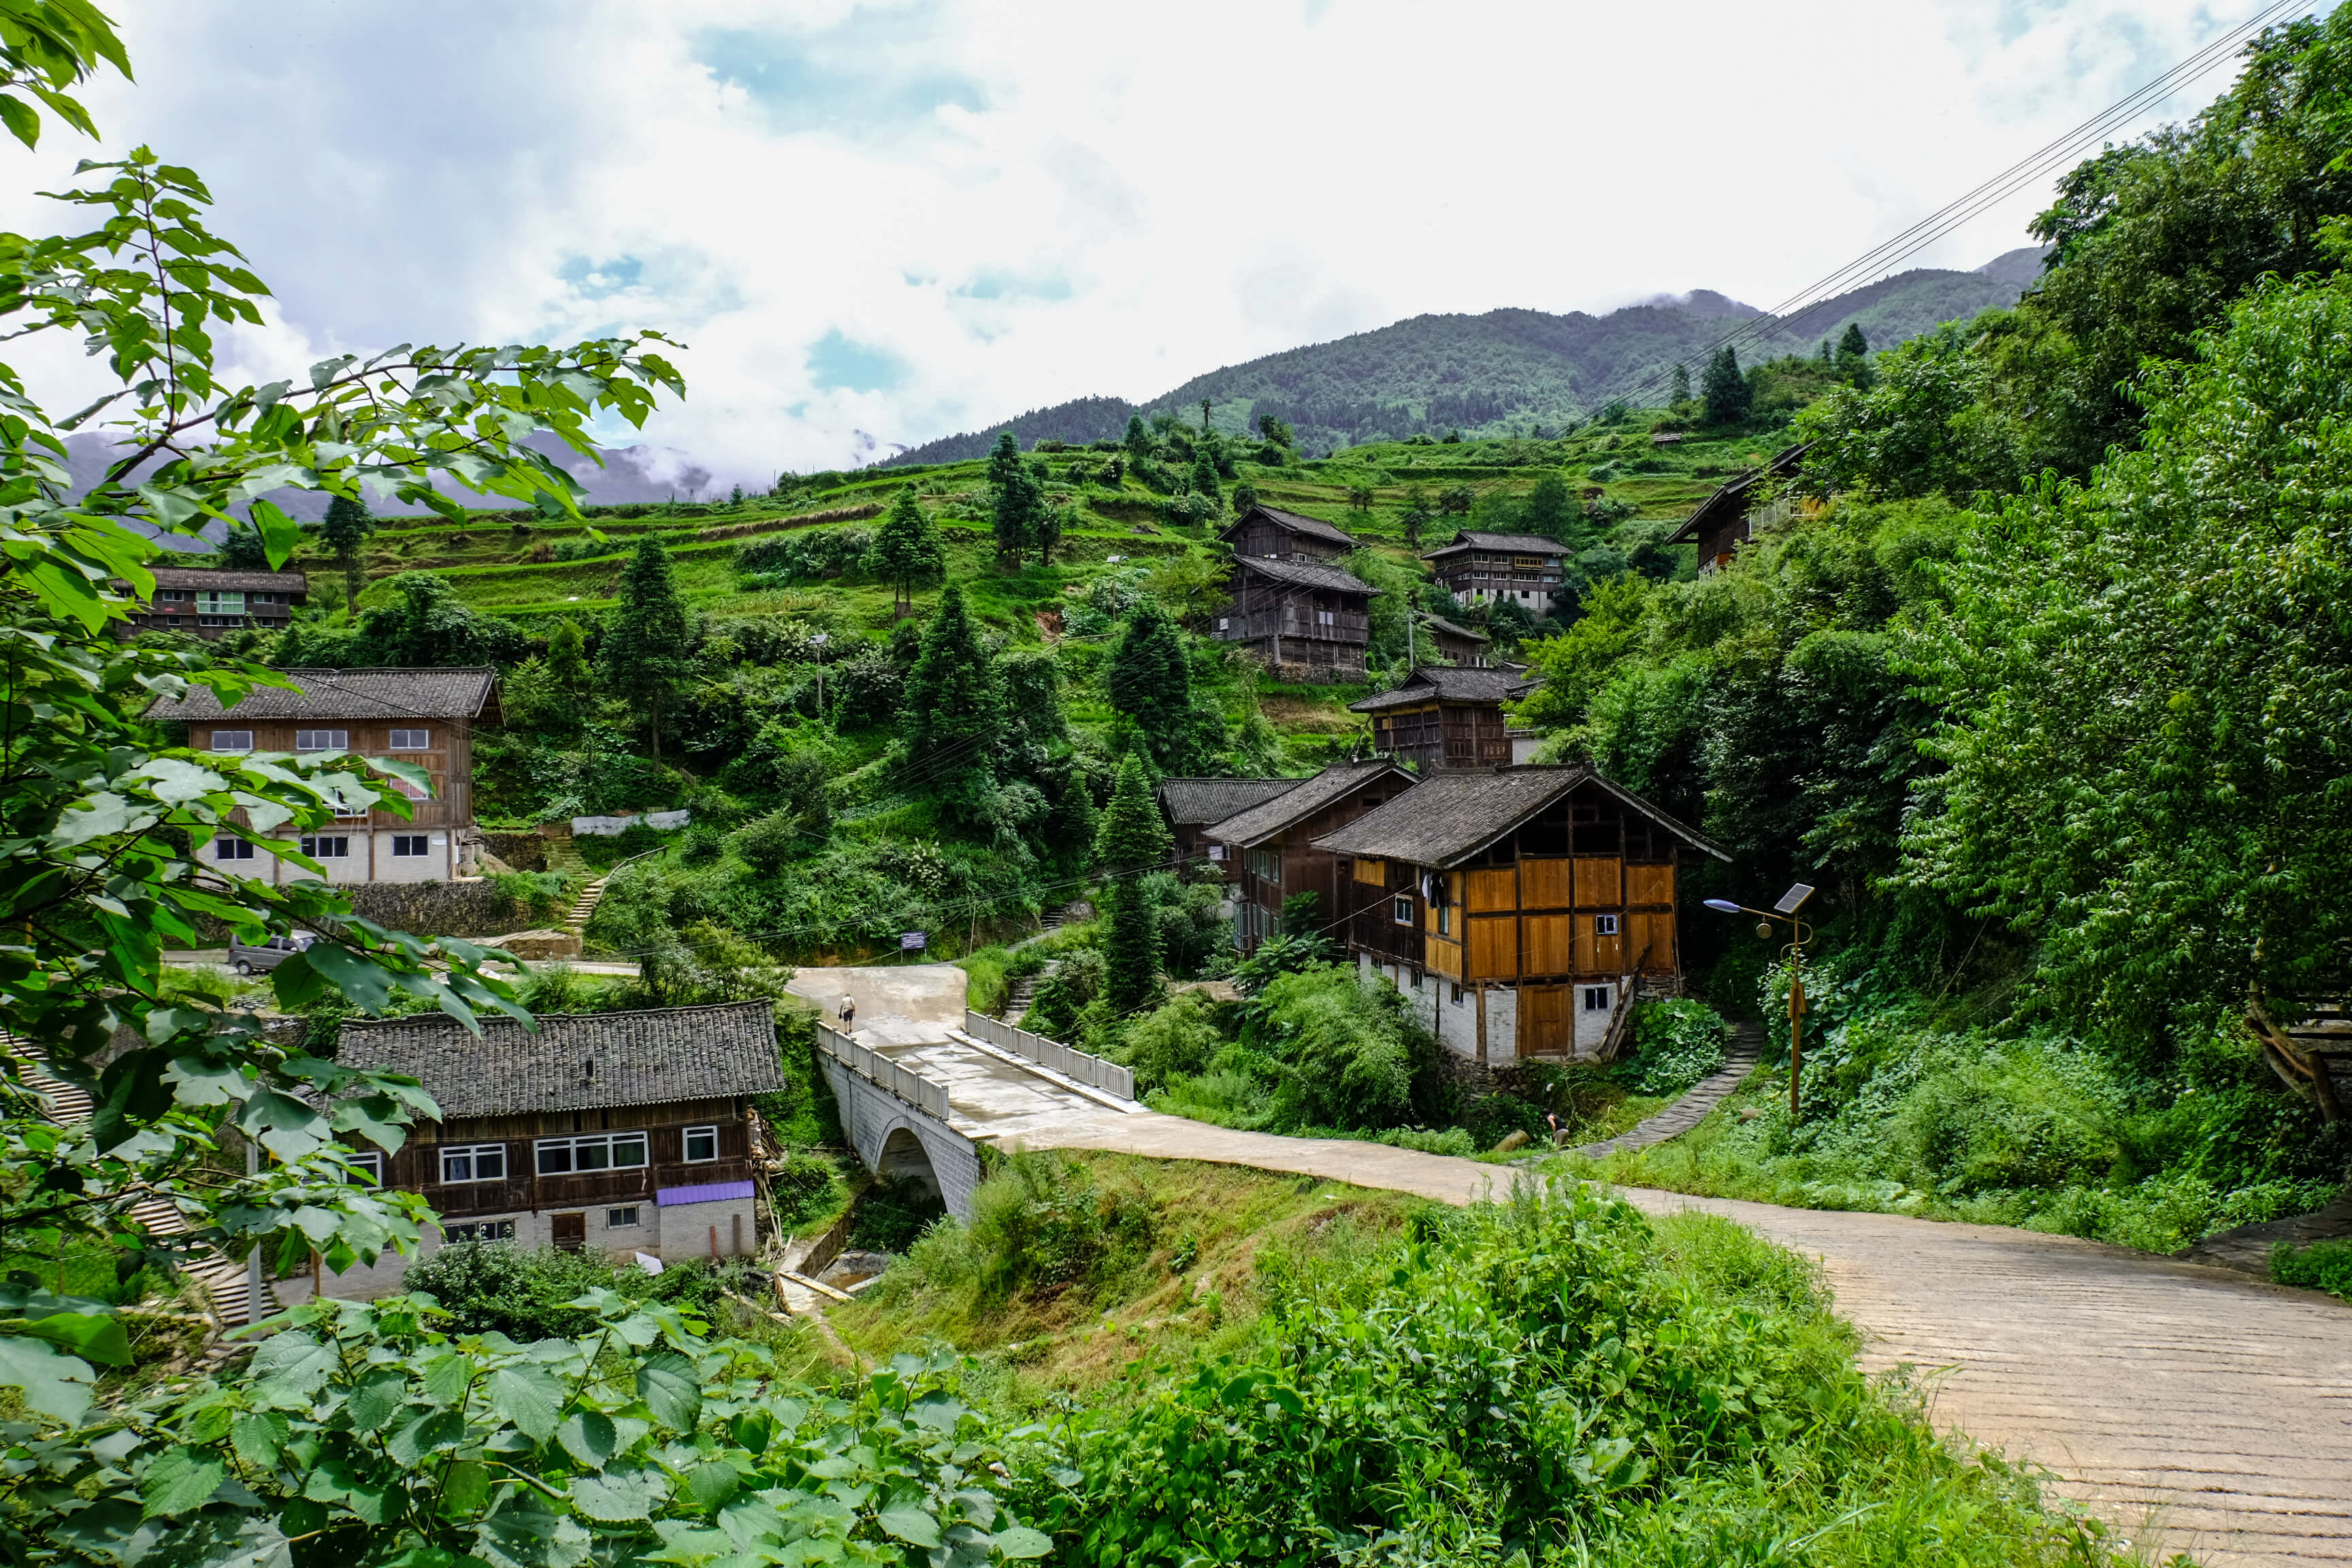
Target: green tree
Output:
{"points": [[1139, 438], [1204, 477], [1456, 500], [1416, 521], [906, 551], [1725, 391], [1276, 432], [1853, 356], [241, 549], [646, 649], [954, 713], [1131, 838], [345, 532], [1551, 511], [1359, 497], [1018, 504], [1245, 499], [567, 656], [1150, 680], [1132, 835], [1681, 393]]}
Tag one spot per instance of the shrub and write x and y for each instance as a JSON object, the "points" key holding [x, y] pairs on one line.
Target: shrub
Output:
{"points": [[1676, 1042], [498, 1287], [2322, 1266], [889, 1216], [1173, 1041], [1043, 1224], [805, 1187]]}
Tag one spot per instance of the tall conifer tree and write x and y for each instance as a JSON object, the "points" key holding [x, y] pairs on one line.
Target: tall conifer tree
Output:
{"points": [[1729, 397], [1151, 682], [906, 551], [1131, 838], [345, 532], [1139, 438], [954, 711], [1853, 356], [1019, 499], [645, 652], [1132, 834]]}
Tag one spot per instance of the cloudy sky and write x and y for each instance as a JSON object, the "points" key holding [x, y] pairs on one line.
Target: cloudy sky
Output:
{"points": [[888, 222]]}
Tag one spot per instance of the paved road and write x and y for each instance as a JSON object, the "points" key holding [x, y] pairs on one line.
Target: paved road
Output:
{"points": [[2193, 1406]]}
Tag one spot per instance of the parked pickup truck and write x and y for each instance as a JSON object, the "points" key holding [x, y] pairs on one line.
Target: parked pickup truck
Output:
{"points": [[261, 958]]}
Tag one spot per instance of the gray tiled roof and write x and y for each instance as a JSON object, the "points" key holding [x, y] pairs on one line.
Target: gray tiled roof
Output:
{"points": [[350, 694], [576, 1061], [1525, 543], [1196, 803], [1731, 499], [1449, 817], [1443, 625], [1293, 805], [1292, 520], [1306, 574], [234, 582], [1427, 684]]}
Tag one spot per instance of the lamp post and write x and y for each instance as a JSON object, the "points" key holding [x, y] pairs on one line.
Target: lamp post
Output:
{"points": [[1798, 934]]}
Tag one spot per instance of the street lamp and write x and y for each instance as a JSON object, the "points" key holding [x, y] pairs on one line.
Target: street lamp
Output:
{"points": [[1798, 934]]}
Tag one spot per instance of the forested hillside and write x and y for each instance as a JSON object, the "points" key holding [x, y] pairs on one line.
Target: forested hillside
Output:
{"points": [[1503, 372]]}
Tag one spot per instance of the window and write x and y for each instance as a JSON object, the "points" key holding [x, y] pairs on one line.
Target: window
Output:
{"points": [[1325, 618], [409, 845], [1265, 865], [170, 596], [372, 1163], [1400, 909], [413, 791], [480, 1230], [1457, 996], [702, 1143], [322, 740], [623, 1219], [1445, 919], [329, 846], [1225, 622], [473, 1163], [232, 849], [412, 739], [1604, 925], [1596, 998], [591, 1151], [1217, 851], [211, 602], [228, 741]]}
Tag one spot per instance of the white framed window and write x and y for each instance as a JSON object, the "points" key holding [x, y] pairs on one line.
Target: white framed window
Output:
{"points": [[410, 846], [412, 739], [701, 1145], [1217, 851], [232, 849], [370, 1160], [170, 596], [1400, 910], [413, 791], [1604, 925], [479, 1230], [1325, 618], [591, 1151], [322, 740], [327, 847], [1596, 998], [473, 1163], [213, 602], [623, 1219], [1225, 622], [232, 741]]}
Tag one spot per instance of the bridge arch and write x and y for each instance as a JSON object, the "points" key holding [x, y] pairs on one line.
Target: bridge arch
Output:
{"points": [[897, 1140]]}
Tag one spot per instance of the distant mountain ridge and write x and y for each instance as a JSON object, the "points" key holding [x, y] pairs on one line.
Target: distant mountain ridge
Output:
{"points": [[1506, 369]]}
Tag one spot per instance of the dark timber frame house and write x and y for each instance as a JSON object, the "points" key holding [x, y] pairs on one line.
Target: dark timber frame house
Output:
{"points": [[1524, 569], [625, 1132], [1438, 718], [1460, 644], [1264, 533], [1272, 843], [1731, 516], [1192, 806], [1521, 909], [211, 603], [1304, 620]]}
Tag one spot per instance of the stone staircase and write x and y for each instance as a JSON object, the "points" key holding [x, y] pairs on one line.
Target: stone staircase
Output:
{"points": [[583, 909], [228, 1285], [1740, 1060], [1024, 991]]}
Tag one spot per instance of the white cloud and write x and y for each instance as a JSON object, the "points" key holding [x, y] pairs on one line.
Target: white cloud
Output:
{"points": [[910, 218]]}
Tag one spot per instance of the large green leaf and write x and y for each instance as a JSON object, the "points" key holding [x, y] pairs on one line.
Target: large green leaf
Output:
{"points": [[376, 1396], [289, 1368], [428, 1434], [180, 1481], [672, 1390], [1020, 1544], [909, 1524], [528, 1396], [83, 1334], [619, 1495], [588, 1437], [54, 1383]]}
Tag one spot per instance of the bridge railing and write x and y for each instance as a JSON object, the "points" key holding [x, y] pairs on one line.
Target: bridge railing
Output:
{"points": [[1092, 1072], [913, 1088]]}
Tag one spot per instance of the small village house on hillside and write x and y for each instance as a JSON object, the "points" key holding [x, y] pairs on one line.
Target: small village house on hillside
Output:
{"points": [[1192, 806], [1737, 511], [212, 603], [627, 1133], [1272, 843], [1461, 644], [1521, 569], [421, 716], [1303, 620], [1441, 718], [1264, 533], [1519, 908]]}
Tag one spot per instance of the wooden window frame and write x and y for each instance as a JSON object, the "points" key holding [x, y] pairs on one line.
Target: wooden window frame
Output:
{"points": [[473, 1154], [572, 1144]]}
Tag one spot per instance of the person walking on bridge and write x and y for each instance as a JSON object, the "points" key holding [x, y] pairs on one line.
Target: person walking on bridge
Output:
{"points": [[849, 1016]]}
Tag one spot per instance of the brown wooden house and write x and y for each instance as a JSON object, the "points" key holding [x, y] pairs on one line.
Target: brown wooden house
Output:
{"points": [[1192, 806], [211, 603], [1523, 568], [1444, 718], [1458, 643], [1272, 843], [422, 716], [1521, 909], [1303, 620], [624, 1131], [1733, 513], [1264, 533]]}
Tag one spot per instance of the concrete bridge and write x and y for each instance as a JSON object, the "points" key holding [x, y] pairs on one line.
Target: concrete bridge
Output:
{"points": [[923, 1083]]}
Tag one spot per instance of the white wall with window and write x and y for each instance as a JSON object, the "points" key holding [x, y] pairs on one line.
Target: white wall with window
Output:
{"points": [[350, 854]]}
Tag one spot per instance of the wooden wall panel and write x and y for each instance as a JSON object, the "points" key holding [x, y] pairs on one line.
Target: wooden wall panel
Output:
{"points": [[1543, 1020], [1595, 953], [1443, 957], [1495, 948], [1650, 939], [1375, 872], [1551, 945], [1543, 884], [1598, 883], [1490, 890], [1650, 885]]}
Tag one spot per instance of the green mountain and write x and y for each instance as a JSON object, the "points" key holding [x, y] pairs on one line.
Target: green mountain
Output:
{"points": [[1506, 370]]}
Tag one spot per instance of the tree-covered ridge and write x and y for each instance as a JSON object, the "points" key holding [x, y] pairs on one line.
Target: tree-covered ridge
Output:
{"points": [[1504, 370]]}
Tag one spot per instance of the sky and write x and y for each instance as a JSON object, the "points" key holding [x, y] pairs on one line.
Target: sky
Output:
{"points": [[876, 224]]}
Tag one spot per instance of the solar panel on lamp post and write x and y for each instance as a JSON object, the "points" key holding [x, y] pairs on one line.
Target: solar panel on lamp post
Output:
{"points": [[1798, 934]]}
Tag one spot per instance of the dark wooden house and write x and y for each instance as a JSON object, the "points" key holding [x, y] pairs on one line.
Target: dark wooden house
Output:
{"points": [[1736, 510], [626, 1132], [1303, 620], [1458, 643], [1263, 534], [1520, 909], [212, 603], [1192, 806], [1522, 569], [1272, 843], [422, 716], [1446, 718]]}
